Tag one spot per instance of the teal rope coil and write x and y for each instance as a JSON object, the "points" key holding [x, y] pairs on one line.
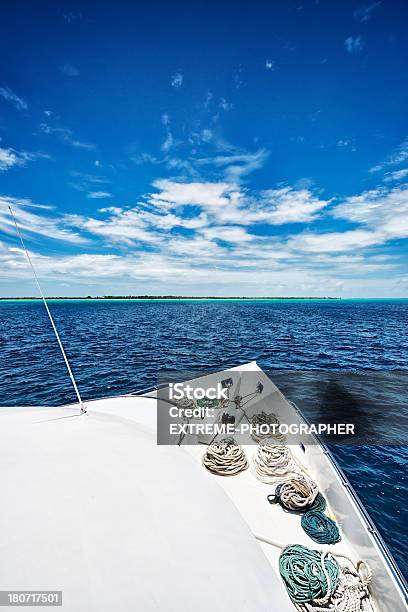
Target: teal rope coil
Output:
{"points": [[319, 503], [321, 528], [318, 526], [308, 574]]}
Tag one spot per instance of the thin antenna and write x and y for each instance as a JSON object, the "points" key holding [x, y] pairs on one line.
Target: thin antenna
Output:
{"points": [[82, 405]]}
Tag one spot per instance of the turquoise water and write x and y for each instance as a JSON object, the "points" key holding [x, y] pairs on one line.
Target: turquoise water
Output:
{"points": [[117, 346]]}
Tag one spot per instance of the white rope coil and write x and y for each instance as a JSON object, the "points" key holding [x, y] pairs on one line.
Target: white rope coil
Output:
{"points": [[225, 458], [298, 493], [351, 594], [268, 419], [274, 463]]}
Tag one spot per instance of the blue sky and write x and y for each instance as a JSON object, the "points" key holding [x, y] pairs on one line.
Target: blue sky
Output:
{"points": [[211, 148]]}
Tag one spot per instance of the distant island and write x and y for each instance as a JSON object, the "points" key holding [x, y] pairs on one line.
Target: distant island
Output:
{"points": [[170, 297]]}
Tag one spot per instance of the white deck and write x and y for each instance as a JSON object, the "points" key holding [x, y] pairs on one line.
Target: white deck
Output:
{"points": [[91, 505]]}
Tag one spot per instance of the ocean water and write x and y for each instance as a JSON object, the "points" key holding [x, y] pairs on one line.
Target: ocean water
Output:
{"points": [[118, 346]]}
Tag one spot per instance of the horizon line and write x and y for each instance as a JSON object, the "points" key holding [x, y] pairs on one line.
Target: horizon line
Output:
{"points": [[195, 297]]}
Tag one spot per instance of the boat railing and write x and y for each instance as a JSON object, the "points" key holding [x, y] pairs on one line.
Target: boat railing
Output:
{"points": [[143, 391], [370, 525]]}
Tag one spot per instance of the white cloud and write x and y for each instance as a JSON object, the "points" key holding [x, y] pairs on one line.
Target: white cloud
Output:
{"points": [[69, 70], [177, 80], [167, 209], [111, 209], [135, 226], [159, 221], [172, 194], [226, 106], [225, 203], [86, 182], [363, 13], [382, 215], [383, 210], [399, 156], [238, 164], [228, 233], [206, 135], [354, 44], [182, 165], [71, 16], [333, 242], [346, 143], [209, 96], [8, 94], [96, 195], [168, 142], [209, 231], [196, 246], [398, 175], [33, 223], [270, 65], [272, 207], [125, 227], [237, 78], [201, 267], [10, 158], [66, 136], [286, 205], [217, 245], [85, 177], [89, 268], [144, 158]]}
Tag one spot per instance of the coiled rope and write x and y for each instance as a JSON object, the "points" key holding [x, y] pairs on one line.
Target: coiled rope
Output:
{"points": [[270, 419], [274, 463], [225, 458], [352, 593], [308, 574], [296, 494], [316, 582], [320, 527]]}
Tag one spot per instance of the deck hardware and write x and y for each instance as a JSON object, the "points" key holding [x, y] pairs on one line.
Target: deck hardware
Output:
{"points": [[227, 383], [227, 419], [237, 401]]}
